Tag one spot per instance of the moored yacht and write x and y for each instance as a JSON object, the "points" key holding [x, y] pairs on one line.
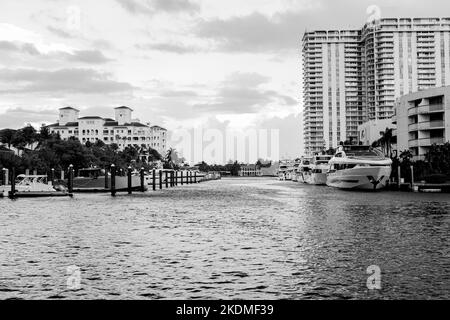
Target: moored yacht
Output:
{"points": [[285, 170], [304, 169], [359, 167], [317, 175]]}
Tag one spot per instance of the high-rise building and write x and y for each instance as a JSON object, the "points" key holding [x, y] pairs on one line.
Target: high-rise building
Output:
{"points": [[351, 76]]}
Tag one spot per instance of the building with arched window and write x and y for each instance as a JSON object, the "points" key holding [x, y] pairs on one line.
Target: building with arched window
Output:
{"points": [[123, 130]]}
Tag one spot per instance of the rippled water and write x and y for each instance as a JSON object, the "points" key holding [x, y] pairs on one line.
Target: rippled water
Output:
{"points": [[234, 238]]}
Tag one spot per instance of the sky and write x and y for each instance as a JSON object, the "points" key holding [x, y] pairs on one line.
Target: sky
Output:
{"points": [[180, 64]]}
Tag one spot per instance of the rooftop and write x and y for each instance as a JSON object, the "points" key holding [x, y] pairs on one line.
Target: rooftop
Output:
{"points": [[124, 107], [69, 108]]}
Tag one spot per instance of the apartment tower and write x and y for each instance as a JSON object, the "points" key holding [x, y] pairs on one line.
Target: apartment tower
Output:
{"points": [[353, 76]]}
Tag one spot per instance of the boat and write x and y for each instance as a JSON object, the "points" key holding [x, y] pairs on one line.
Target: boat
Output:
{"points": [[303, 169], [317, 175], [359, 167], [93, 180], [34, 186], [283, 169], [295, 173]]}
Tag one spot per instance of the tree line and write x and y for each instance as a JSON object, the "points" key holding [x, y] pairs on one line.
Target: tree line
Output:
{"points": [[43, 151]]}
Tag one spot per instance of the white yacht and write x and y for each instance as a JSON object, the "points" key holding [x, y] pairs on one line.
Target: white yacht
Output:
{"points": [[285, 170], [295, 171], [303, 169], [317, 175], [359, 167]]}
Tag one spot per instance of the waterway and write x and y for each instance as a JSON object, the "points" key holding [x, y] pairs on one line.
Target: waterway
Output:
{"points": [[251, 238]]}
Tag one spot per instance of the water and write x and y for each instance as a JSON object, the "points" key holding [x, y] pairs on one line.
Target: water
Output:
{"points": [[228, 239]]}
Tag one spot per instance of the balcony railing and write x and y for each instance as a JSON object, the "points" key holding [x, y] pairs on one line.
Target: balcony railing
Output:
{"points": [[427, 125], [424, 142]]}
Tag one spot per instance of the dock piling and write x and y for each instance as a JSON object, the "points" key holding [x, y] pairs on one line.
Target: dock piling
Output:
{"points": [[70, 179], [13, 183], [154, 180], [166, 174], [142, 179], [52, 175], [160, 180], [412, 177], [195, 177], [113, 180], [129, 180], [106, 178], [5, 176], [181, 177]]}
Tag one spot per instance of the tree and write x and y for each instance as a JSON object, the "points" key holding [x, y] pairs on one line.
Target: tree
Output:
{"points": [[385, 142], [7, 137], [169, 159]]}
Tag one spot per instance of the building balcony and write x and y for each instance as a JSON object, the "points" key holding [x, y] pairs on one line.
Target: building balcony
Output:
{"points": [[426, 142], [413, 143], [429, 125], [413, 127]]}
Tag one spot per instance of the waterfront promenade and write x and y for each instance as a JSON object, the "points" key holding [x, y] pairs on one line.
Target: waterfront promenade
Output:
{"points": [[248, 238]]}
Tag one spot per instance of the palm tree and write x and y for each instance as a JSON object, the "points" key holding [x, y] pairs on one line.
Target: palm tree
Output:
{"points": [[385, 142], [169, 157]]}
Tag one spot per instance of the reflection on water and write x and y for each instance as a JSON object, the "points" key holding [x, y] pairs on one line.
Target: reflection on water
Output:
{"points": [[229, 239]]}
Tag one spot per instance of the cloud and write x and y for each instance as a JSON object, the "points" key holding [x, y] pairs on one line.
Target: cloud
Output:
{"points": [[256, 32], [84, 56], [282, 31], [15, 118], [59, 32], [77, 80], [10, 46], [88, 56], [178, 93], [156, 6], [243, 93], [178, 48], [26, 111]]}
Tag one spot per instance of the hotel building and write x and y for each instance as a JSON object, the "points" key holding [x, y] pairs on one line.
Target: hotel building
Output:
{"points": [[354, 76], [423, 119], [123, 130]]}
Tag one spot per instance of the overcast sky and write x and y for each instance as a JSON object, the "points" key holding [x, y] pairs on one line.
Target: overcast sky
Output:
{"points": [[177, 63]]}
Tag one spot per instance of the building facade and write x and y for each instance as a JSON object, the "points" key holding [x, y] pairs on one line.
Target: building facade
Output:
{"points": [[369, 132], [423, 119], [250, 170], [354, 76], [123, 130]]}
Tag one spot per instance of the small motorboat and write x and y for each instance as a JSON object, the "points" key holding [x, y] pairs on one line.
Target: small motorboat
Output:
{"points": [[34, 186]]}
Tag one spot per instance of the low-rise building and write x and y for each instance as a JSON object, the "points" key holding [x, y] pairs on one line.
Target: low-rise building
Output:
{"points": [[250, 170], [123, 130], [369, 132], [423, 119]]}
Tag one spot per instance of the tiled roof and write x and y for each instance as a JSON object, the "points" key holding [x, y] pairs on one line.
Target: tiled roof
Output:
{"points": [[69, 108], [68, 124], [124, 107], [158, 127], [90, 117]]}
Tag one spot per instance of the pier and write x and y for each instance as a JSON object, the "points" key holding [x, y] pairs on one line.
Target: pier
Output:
{"points": [[156, 179]]}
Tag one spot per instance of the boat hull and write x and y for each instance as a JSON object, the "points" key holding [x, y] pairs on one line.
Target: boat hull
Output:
{"points": [[98, 184], [363, 178], [318, 179]]}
